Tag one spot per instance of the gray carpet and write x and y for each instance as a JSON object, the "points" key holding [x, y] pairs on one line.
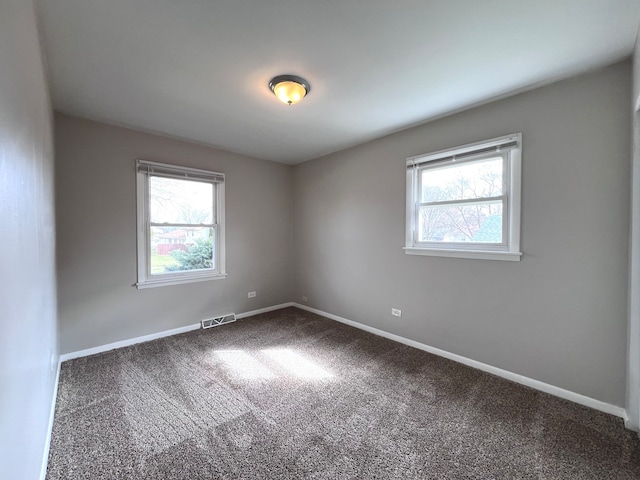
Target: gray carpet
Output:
{"points": [[292, 395]]}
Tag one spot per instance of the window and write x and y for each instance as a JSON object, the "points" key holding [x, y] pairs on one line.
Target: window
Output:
{"points": [[465, 202], [180, 224]]}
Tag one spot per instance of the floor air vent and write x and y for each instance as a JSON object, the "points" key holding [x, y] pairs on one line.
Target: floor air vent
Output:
{"points": [[214, 322]]}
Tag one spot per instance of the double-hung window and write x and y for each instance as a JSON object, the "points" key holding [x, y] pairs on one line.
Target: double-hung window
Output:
{"points": [[180, 224], [465, 201]]}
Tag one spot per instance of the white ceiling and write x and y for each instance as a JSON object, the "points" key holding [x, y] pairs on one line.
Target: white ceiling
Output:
{"points": [[199, 69]]}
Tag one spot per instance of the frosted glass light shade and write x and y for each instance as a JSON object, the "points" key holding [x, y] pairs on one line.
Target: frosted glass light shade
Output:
{"points": [[289, 89]]}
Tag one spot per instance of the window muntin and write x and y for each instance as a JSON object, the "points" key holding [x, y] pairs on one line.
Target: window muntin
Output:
{"points": [[180, 224], [465, 199]]}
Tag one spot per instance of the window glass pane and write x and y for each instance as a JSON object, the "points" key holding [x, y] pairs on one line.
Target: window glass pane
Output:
{"points": [[179, 249], [180, 201], [477, 223], [463, 181]]}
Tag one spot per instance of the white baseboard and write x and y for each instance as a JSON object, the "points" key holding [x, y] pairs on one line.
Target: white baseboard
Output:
{"points": [[514, 377], [264, 310], [125, 343], [630, 425], [47, 445], [153, 336]]}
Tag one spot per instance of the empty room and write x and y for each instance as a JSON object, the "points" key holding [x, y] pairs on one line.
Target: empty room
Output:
{"points": [[320, 240]]}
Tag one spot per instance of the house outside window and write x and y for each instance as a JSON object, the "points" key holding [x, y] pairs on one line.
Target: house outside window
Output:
{"points": [[465, 201], [180, 224]]}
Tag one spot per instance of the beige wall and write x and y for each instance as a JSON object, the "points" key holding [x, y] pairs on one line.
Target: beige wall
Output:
{"points": [[560, 315], [28, 332], [96, 208]]}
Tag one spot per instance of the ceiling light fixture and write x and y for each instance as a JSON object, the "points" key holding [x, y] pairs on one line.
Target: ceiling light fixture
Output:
{"points": [[289, 89]]}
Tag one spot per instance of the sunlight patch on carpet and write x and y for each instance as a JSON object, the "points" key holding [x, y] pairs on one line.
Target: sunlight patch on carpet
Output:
{"points": [[296, 364], [244, 365]]}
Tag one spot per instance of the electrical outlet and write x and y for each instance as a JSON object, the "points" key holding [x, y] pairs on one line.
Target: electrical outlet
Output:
{"points": [[396, 312], [251, 294], [305, 299]]}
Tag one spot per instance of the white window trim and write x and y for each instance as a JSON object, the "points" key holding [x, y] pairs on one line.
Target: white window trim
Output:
{"points": [[510, 251], [145, 279]]}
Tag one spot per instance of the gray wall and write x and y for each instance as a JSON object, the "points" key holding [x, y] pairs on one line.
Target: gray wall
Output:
{"points": [[633, 367], [28, 337], [96, 211], [559, 315]]}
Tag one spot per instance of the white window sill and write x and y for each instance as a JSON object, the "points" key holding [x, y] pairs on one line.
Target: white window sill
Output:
{"points": [[476, 254], [178, 281]]}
